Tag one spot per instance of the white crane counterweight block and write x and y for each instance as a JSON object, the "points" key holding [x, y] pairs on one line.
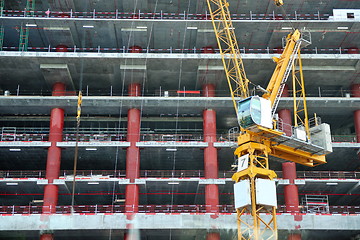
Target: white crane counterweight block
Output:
{"points": [[265, 192]]}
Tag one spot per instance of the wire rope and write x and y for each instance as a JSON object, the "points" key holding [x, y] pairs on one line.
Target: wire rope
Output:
{"points": [[78, 119]]}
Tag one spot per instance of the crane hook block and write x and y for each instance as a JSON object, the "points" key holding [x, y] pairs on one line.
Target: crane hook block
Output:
{"points": [[279, 2]]}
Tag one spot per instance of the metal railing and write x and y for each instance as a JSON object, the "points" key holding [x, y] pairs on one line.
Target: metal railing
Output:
{"points": [[194, 50], [104, 137], [175, 174], [98, 209], [113, 92], [158, 15]]}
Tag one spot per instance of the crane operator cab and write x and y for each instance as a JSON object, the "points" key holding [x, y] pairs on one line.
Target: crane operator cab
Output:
{"points": [[254, 111]]}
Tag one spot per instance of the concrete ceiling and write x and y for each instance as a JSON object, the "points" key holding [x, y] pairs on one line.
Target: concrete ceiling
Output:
{"points": [[193, 6], [163, 34]]}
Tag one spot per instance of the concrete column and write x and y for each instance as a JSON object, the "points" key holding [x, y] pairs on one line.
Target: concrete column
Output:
{"points": [[210, 153], [47, 236], [213, 236], [208, 90], [285, 115], [291, 195], [133, 153], [54, 152], [355, 90], [53, 157], [294, 236], [290, 191]]}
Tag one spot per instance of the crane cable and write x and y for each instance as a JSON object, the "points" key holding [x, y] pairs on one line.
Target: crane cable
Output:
{"points": [[79, 102], [285, 16]]}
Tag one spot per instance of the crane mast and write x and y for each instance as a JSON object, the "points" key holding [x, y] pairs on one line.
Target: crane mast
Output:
{"points": [[259, 138]]}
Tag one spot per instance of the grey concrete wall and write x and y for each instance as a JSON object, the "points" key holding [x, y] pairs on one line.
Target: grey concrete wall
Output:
{"points": [[163, 221]]}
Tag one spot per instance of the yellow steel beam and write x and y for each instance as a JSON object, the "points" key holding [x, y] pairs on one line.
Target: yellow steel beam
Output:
{"points": [[297, 156], [229, 49], [299, 96], [281, 66]]}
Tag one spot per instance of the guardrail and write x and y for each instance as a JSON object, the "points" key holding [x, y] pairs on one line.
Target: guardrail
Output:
{"points": [[98, 209], [171, 50], [112, 92], [158, 15], [174, 174], [119, 134]]}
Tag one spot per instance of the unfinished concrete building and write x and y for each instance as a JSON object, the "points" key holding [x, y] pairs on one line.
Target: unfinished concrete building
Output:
{"points": [[154, 148]]}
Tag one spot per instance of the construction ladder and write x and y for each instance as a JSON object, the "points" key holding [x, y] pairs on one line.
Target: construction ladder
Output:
{"points": [[30, 7], [2, 6], [24, 38], [1, 37]]}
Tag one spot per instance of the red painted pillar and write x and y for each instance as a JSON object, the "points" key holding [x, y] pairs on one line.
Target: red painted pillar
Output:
{"points": [[46, 236], [208, 90], [355, 90], [294, 236], [290, 191], [133, 153], [210, 153], [291, 195], [213, 236], [285, 115], [54, 152], [53, 157]]}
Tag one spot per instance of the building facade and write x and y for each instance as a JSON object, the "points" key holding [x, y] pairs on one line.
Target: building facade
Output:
{"points": [[152, 155]]}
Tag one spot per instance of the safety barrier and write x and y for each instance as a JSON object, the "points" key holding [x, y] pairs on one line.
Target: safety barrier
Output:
{"points": [[171, 50], [119, 134], [159, 15], [170, 209], [174, 174]]}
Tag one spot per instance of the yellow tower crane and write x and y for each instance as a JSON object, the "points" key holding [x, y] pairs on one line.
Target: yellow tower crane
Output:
{"points": [[260, 136]]}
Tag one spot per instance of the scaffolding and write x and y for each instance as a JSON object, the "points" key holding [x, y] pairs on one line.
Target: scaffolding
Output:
{"points": [[316, 203]]}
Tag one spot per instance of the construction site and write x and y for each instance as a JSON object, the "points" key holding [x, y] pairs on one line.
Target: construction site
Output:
{"points": [[179, 120]]}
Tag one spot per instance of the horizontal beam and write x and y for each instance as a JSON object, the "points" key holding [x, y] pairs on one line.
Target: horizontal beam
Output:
{"points": [[168, 221], [183, 56], [156, 105]]}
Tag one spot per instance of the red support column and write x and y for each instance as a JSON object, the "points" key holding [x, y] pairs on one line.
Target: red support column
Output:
{"points": [[285, 115], [210, 153], [291, 195], [54, 152], [208, 90], [133, 153], [290, 191], [294, 236], [289, 168], [355, 90], [46, 236], [53, 157], [213, 236]]}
